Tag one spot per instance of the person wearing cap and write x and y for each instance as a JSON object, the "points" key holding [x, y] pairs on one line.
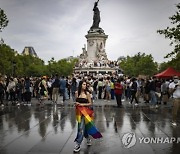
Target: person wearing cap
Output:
{"points": [[174, 89]]}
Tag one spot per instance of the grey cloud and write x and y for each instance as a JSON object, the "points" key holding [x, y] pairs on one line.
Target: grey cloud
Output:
{"points": [[56, 28]]}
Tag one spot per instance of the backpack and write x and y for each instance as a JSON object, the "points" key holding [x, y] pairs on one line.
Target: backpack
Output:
{"points": [[134, 86]]}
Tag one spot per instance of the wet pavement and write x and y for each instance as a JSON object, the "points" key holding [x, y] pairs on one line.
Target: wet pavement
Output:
{"points": [[52, 129]]}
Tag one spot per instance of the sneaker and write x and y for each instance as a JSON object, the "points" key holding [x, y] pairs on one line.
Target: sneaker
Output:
{"points": [[2, 105], [89, 141], [136, 104], [77, 148], [174, 123]]}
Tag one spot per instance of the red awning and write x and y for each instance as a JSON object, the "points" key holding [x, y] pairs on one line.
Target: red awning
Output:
{"points": [[168, 73]]}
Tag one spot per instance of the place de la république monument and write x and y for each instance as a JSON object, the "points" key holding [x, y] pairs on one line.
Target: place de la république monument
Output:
{"points": [[94, 59]]}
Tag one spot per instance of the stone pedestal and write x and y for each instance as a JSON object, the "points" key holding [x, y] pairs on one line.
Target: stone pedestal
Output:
{"points": [[96, 41], [94, 58]]}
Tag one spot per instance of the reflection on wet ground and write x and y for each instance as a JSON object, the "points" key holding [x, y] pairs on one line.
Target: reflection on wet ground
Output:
{"points": [[52, 129]]}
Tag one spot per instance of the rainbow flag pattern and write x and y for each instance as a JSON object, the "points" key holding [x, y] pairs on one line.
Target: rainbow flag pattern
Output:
{"points": [[89, 123]]}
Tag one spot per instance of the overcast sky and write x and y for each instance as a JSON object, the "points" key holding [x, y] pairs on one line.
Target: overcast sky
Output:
{"points": [[57, 28]]}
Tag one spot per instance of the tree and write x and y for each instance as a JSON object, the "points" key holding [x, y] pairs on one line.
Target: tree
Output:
{"points": [[175, 63], [27, 65], [32, 66], [140, 64], [3, 20], [173, 33], [22, 65], [61, 67], [7, 57]]}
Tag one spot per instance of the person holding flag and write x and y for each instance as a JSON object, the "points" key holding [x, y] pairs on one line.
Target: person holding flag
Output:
{"points": [[84, 117]]}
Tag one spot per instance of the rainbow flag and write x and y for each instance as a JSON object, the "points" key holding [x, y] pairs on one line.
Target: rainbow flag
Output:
{"points": [[89, 123]]}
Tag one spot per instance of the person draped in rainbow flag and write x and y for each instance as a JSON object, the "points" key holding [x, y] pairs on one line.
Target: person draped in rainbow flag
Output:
{"points": [[84, 117]]}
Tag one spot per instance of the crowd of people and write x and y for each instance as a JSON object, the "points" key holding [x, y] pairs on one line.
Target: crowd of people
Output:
{"points": [[101, 64], [152, 91]]}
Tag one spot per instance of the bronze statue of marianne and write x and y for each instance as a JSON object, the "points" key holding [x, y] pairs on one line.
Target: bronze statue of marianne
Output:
{"points": [[96, 17]]}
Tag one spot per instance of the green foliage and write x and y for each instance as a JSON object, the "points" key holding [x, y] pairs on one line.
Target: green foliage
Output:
{"points": [[173, 33], [175, 63], [3, 20], [27, 65], [22, 65], [6, 59], [140, 64], [61, 67], [31, 66]]}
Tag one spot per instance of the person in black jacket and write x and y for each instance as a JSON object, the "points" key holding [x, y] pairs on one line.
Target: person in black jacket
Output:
{"points": [[55, 91], [133, 91], [152, 87]]}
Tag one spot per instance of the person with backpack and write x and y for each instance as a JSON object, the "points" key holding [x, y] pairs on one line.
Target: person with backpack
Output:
{"points": [[43, 91], [49, 88]]}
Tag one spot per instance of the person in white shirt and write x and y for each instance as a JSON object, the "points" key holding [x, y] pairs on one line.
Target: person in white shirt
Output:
{"points": [[11, 89], [174, 88]]}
